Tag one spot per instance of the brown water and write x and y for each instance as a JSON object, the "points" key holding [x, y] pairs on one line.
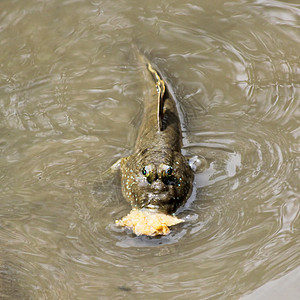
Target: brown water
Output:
{"points": [[70, 103]]}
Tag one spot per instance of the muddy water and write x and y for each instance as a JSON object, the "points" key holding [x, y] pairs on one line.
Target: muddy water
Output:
{"points": [[70, 105]]}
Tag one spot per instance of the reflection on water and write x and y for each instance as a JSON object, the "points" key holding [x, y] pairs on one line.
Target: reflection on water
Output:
{"points": [[70, 105]]}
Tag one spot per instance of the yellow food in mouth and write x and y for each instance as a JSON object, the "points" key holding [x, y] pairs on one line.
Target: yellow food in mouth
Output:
{"points": [[146, 222]]}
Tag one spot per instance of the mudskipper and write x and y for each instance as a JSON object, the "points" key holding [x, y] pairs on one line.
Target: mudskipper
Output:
{"points": [[157, 177]]}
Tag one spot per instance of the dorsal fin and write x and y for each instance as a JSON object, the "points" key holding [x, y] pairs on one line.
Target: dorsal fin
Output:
{"points": [[161, 88]]}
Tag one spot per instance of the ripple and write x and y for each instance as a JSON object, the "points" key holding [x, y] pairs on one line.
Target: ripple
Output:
{"points": [[71, 99]]}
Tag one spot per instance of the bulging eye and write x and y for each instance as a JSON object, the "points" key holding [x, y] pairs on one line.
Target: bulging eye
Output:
{"points": [[144, 171], [149, 173], [169, 171], [168, 176]]}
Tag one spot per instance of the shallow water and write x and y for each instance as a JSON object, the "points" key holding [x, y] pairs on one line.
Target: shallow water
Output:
{"points": [[70, 104]]}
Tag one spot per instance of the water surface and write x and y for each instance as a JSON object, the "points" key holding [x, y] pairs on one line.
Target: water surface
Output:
{"points": [[71, 99]]}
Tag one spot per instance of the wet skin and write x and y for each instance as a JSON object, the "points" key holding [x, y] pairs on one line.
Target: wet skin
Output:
{"points": [[157, 176]]}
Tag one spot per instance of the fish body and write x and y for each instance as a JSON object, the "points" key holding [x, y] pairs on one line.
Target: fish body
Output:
{"points": [[157, 176]]}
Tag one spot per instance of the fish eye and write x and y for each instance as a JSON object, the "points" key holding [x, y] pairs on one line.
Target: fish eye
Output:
{"points": [[169, 171], [149, 173], [144, 171]]}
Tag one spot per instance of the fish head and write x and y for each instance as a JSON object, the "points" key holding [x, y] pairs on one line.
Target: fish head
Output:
{"points": [[160, 181]]}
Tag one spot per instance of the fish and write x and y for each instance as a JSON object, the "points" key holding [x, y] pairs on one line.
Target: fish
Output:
{"points": [[157, 176]]}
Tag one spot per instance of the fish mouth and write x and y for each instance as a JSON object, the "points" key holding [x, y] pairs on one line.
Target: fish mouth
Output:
{"points": [[153, 207], [159, 197], [160, 201], [161, 206]]}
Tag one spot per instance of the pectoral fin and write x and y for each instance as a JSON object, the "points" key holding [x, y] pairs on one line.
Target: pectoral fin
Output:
{"points": [[197, 164], [110, 174], [116, 166]]}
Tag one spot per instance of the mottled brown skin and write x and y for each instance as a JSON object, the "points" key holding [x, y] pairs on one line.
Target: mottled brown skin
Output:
{"points": [[157, 176]]}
